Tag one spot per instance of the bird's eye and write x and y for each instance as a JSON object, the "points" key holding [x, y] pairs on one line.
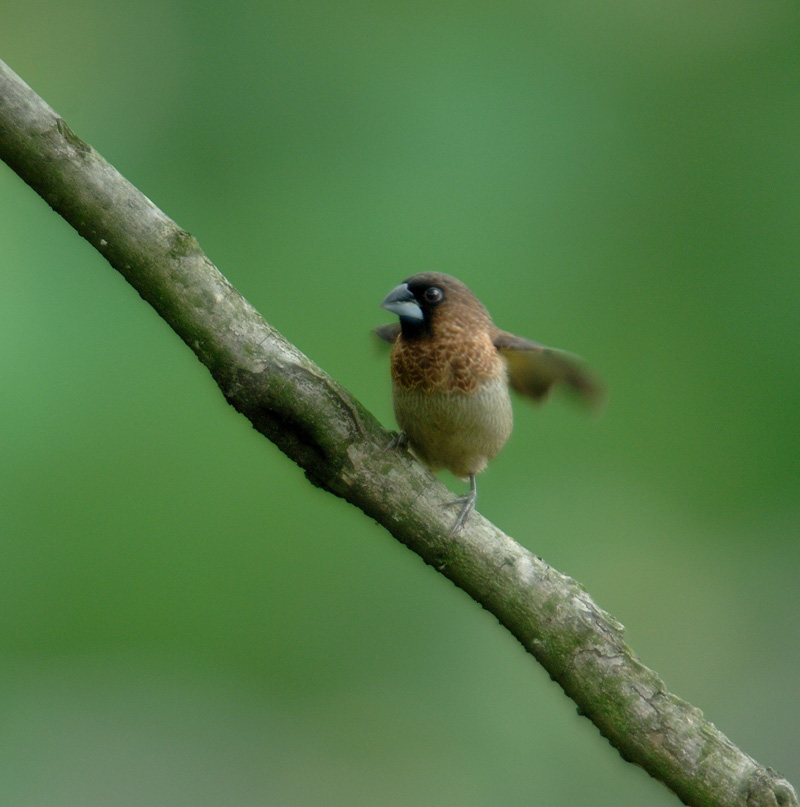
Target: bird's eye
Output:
{"points": [[433, 295]]}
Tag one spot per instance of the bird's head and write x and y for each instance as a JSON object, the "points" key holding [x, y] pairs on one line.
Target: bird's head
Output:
{"points": [[430, 301]]}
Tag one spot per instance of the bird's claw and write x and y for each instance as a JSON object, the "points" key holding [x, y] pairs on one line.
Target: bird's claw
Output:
{"points": [[400, 440], [467, 506], [467, 503]]}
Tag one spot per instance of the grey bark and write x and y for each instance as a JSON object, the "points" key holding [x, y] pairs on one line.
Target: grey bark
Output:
{"points": [[343, 449]]}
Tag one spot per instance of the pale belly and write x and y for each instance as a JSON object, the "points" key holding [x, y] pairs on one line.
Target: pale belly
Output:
{"points": [[454, 430]]}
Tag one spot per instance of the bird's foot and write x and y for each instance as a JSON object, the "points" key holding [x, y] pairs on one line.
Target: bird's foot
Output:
{"points": [[467, 506], [467, 503], [400, 440]]}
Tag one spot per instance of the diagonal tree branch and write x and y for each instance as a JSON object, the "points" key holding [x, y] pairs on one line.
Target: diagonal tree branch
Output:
{"points": [[343, 449]]}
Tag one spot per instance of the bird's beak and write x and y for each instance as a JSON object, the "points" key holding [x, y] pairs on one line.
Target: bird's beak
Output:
{"points": [[402, 302]]}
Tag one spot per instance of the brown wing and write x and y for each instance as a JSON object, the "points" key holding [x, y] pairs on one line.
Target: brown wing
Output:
{"points": [[534, 369], [388, 332]]}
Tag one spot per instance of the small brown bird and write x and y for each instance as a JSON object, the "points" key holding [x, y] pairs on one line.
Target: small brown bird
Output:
{"points": [[451, 370]]}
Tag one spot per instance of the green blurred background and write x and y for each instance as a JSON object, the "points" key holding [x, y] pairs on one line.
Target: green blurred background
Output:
{"points": [[184, 620]]}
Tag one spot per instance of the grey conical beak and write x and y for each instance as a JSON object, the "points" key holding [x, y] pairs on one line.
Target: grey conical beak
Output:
{"points": [[402, 302]]}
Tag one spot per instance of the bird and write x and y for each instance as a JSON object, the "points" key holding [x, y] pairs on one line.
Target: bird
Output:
{"points": [[452, 369]]}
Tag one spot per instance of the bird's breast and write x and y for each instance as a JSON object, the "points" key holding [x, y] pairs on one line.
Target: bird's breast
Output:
{"points": [[451, 399], [456, 363]]}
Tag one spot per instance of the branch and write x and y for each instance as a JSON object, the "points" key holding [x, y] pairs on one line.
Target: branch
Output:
{"points": [[343, 449]]}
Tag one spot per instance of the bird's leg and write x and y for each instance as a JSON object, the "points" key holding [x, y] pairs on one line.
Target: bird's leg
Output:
{"points": [[467, 505]]}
